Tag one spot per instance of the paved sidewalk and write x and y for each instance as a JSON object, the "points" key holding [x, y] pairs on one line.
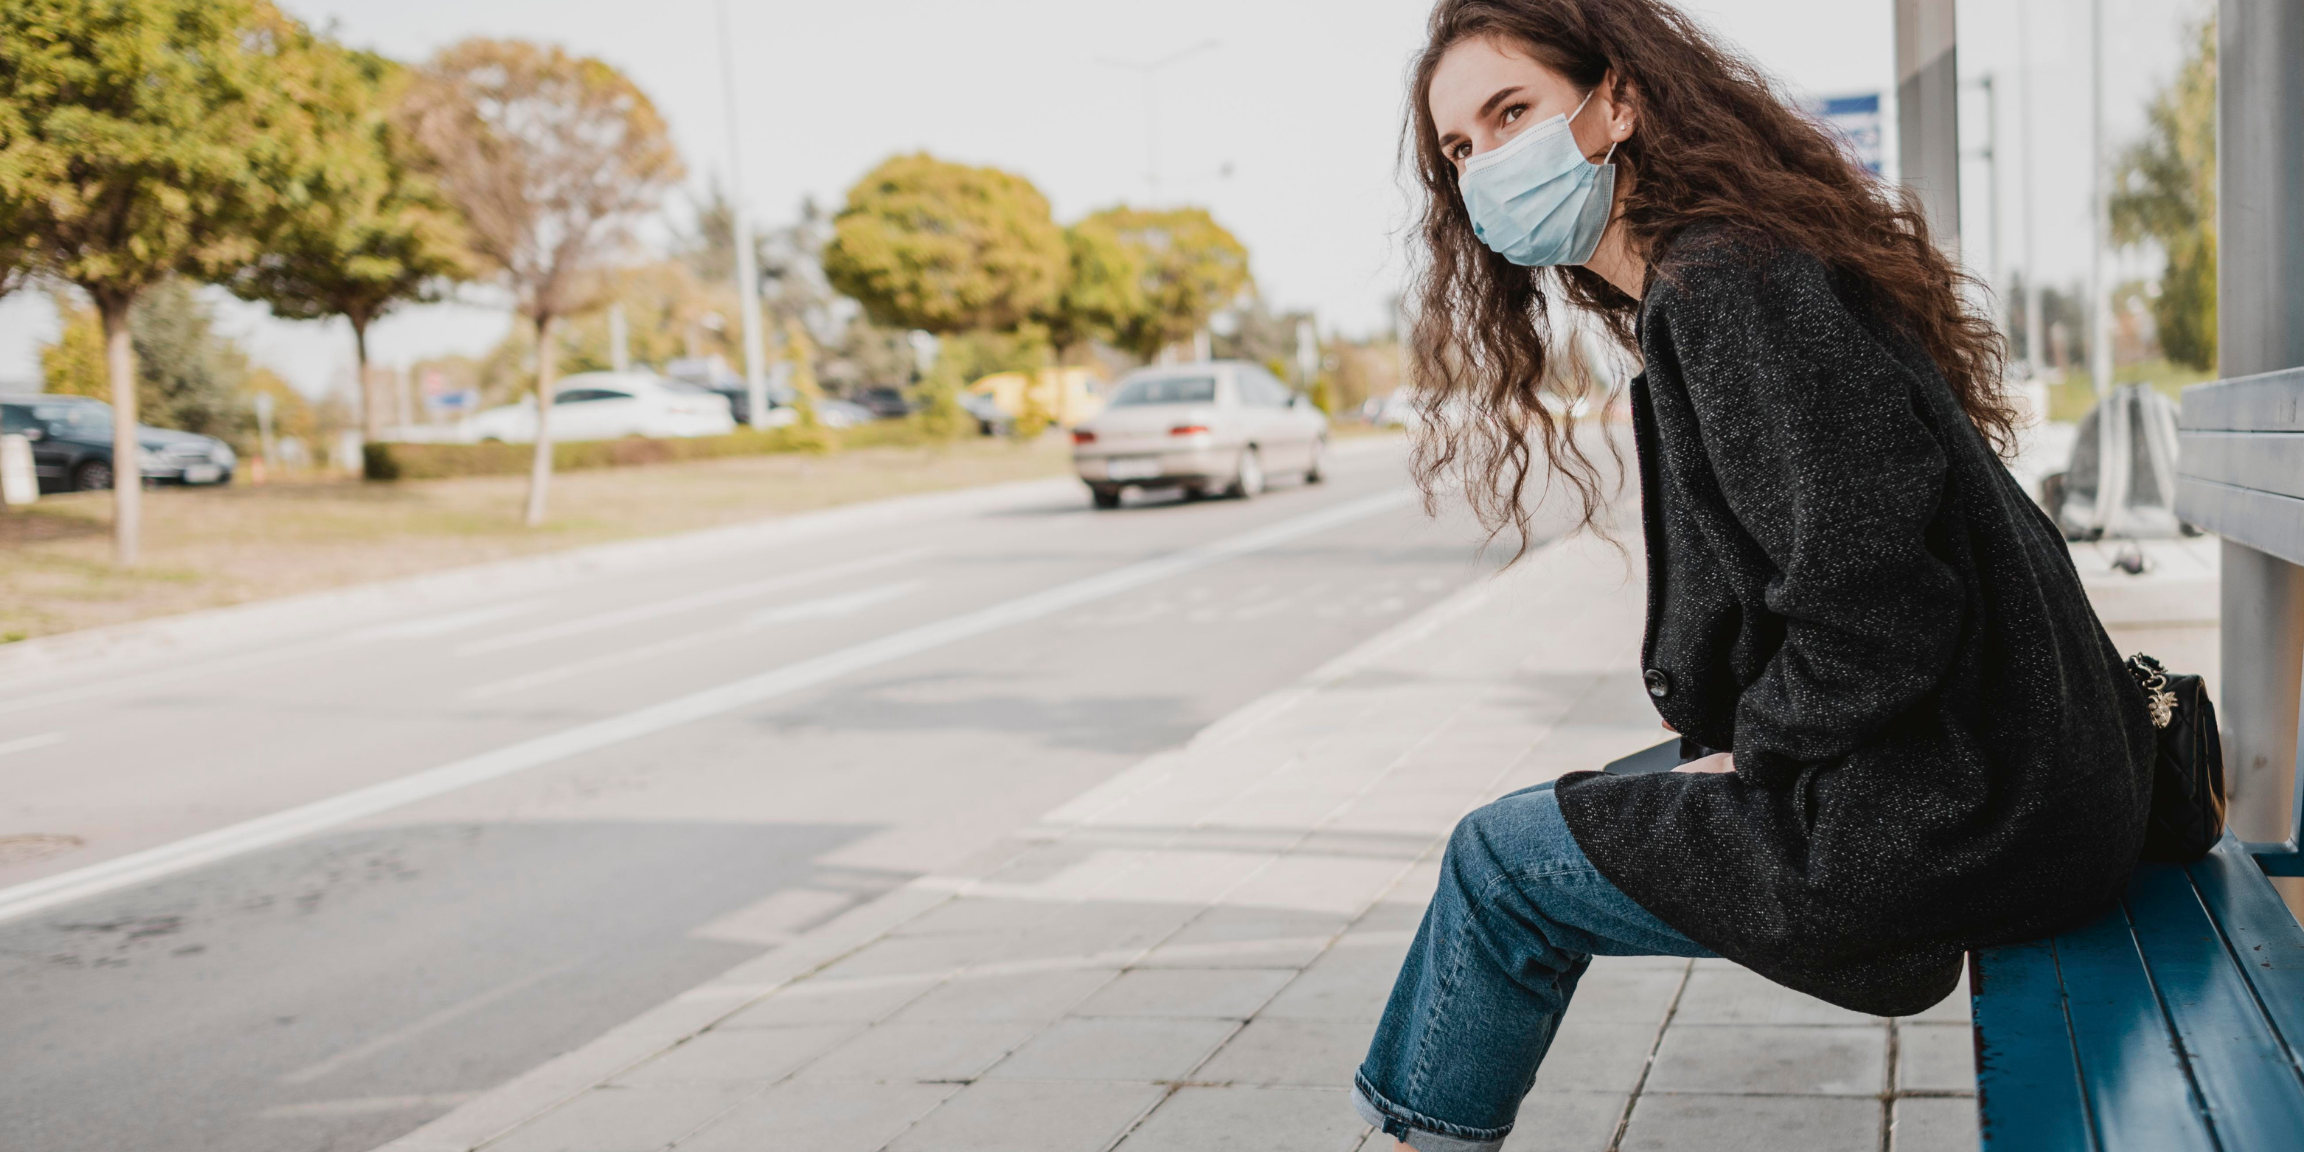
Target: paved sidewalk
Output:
{"points": [[1192, 956]]}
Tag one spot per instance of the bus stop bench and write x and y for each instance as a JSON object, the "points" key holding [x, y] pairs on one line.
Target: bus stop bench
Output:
{"points": [[2168, 1025], [2173, 1023]]}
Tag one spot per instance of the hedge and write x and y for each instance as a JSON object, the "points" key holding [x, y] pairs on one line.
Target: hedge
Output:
{"points": [[403, 461]]}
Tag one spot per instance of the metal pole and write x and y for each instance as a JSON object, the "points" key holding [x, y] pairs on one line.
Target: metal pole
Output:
{"points": [[747, 266], [2035, 325], [1928, 114], [1151, 73], [2260, 328], [2099, 287]]}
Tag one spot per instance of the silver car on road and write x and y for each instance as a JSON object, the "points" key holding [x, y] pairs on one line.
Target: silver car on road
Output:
{"points": [[1219, 426]]}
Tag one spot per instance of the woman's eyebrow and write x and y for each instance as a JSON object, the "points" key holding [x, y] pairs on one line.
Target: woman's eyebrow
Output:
{"points": [[1500, 97]]}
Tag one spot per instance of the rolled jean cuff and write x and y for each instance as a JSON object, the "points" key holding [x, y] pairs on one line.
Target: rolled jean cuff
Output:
{"points": [[1417, 1130]]}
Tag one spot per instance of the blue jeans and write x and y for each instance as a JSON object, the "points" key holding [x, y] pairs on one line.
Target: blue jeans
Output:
{"points": [[1518, 916]]}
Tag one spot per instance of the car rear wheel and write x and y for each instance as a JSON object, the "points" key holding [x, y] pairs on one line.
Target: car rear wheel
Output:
{"points": [[1105, 497], [1316, 473], [1249, 479], [93, 476]]}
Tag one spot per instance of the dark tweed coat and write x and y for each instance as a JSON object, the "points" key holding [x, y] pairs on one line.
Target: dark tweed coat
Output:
{"points": [[1936, 745]]}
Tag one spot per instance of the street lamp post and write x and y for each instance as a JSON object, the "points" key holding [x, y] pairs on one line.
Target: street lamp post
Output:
{"points": [[747, 261], [1151, 73], [2035, 325]]}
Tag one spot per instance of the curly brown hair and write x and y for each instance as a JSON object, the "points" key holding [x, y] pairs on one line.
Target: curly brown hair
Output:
{"points": [[1730, 152]]}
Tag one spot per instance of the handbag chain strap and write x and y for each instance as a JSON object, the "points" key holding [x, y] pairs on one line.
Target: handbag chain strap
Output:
{"points": [[2159, 702]]}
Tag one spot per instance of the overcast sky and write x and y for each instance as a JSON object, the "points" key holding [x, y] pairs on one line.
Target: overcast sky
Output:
{"points": [[1286, 128]]}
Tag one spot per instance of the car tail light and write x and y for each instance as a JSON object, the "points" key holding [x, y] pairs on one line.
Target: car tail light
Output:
{"points": [[1189, 430], [1083, 436]]}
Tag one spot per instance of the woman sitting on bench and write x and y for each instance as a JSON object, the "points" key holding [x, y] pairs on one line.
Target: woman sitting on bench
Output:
{"points": [[1931, 745]]}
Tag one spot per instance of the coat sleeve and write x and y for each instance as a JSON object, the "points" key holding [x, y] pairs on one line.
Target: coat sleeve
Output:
{"points": [[1822, 459]]}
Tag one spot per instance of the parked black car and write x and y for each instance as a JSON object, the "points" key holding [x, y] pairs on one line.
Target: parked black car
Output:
{"points": [[72, 445], [885, 403]]}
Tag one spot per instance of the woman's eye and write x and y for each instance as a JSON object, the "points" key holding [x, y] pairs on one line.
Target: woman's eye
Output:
{"points": [[1514, 112], [1460, 153]]}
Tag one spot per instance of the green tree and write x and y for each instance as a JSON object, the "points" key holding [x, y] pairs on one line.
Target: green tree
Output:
{"points": [[1190, 266], [369, 231], [947, 249], [140, 139], [2166, 190], [550, 158], [944, 247], [1103, 288]]}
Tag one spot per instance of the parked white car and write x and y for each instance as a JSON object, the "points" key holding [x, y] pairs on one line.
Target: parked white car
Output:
{"points": [[1222, 426], [609, 405]]}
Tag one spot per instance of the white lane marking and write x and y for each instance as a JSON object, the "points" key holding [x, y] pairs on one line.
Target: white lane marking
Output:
{"points": [[281, 827], [661, 608], [429, 626], [418, 1027], [830, 606], [28, 743], [805, 610], [364, 1106]]}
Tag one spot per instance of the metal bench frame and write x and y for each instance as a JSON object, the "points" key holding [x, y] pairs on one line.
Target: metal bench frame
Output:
{"points": [[2173, 1023]]}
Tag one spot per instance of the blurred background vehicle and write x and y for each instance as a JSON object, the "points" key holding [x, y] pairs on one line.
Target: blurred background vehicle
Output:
{"points": [[1219, 426], [71, 440], [609, 405], [990, 419], [884, 402], [712, 374], [1064, 396]]}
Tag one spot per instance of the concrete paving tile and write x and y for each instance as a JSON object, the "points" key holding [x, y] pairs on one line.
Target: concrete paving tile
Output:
{"points": [[622, 1120], [1589, 1056], [1005, 996], [1799, 1059], [1565, 1122], [1031, 1116], [1719, 993], [1247, 938], [1304, 1053], [978, 914], [1246, 1119], [817, 1001], [1344, 984], [757, 1056], [850, 1116], [1342, 885], [1389, 915], [1935, 1058], [1752, 1124], [931, 956], [1624, 994], [941, 1051], [1115, 1048], [1227, 993], [1933, 1125], [1953, 1009]]}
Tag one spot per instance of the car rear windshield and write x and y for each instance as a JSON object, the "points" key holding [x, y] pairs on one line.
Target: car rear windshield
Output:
{"points": [[1167, 390]]}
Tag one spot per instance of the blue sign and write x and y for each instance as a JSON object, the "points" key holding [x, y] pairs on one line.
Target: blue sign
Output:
{"points": [[1856, 120]]}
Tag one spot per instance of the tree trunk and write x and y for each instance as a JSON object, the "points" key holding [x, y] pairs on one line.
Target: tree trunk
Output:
{"points": [[540, 472], [371, 428], [127, 453]]}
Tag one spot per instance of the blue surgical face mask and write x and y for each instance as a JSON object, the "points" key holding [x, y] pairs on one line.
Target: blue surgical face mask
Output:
{"points": [[1536, 200]]}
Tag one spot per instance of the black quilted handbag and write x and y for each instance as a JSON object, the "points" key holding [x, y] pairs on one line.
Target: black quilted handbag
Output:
{"points": [[2187, 765]]}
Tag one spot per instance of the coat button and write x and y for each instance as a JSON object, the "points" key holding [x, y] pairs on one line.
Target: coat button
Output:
{"points": [[1659, 684]]}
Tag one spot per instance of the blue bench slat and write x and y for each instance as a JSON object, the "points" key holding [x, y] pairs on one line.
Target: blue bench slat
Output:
{"points": [[2239, 1067], [2130, 1069], [2263, 933], [2027, 1086]]}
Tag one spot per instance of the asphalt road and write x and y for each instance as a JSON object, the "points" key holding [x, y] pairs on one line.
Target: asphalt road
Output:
{"points": [[519, 822]]}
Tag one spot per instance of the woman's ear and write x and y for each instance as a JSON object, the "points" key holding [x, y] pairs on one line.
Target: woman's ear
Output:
{"points": [[1623, 106]]}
